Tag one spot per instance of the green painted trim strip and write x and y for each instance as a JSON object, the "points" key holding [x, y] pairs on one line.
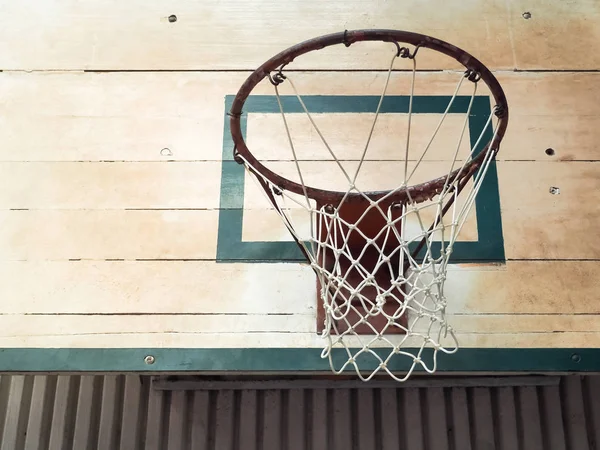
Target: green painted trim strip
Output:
{"points": [[282, 360], [422, 104]]}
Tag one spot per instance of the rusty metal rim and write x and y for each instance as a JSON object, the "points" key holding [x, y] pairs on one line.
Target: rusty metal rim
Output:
{"points": [[418, 192]]}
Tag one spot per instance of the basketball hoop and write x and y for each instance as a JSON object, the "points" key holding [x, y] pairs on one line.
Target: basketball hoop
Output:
{"points": [[381, 289]]}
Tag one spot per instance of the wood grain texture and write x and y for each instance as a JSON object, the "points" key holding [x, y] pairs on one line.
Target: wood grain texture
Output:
{"points": [[133, 116], [195, 287], [107, 234], [537, 224], [109, 240], [234, 35], [68, 35], [559, 35], [263, 331], [540, 224], [207, 304], [286, 340], [116, 186], [159, 287]]}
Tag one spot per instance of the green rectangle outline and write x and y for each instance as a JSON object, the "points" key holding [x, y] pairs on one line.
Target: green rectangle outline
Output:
{"points": [[231, 248]]}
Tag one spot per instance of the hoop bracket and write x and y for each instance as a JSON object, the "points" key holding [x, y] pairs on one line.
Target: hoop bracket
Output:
{"points": [[278, 78], [472, 75], [500, 111]]}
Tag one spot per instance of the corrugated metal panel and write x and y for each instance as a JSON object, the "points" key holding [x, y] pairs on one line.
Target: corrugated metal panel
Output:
{"points": [[125, 412]]}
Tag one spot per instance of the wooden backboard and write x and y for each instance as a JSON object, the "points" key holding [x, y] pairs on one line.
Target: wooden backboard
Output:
{"points": [[127, 230]]}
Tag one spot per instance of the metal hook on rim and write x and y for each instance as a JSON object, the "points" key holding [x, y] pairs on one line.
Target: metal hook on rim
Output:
{"points": [[499, 111], [472, 75], [236, 156], [276, 79], [279, 77], [404, 52]]}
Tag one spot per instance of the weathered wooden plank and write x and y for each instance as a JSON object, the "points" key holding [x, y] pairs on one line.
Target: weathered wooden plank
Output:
{"points": [[149, 185], [213, 35], [109, 117], [571, 136], [156, 287], [553, 27], [539, 224], [551, 94], [138, 287], [17, 325], [561, 287], [203, 326], [108, 234], [524, 186], [289, 340], [113, 117]]}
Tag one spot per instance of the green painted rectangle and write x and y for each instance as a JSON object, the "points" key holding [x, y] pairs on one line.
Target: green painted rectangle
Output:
{"points": [[489, 246]]}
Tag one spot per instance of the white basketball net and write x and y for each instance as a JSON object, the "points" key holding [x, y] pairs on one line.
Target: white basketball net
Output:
{"points": [[412, 300]]}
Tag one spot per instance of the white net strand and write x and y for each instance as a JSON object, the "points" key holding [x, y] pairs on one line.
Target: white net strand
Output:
{"points": [[412, 297]]}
